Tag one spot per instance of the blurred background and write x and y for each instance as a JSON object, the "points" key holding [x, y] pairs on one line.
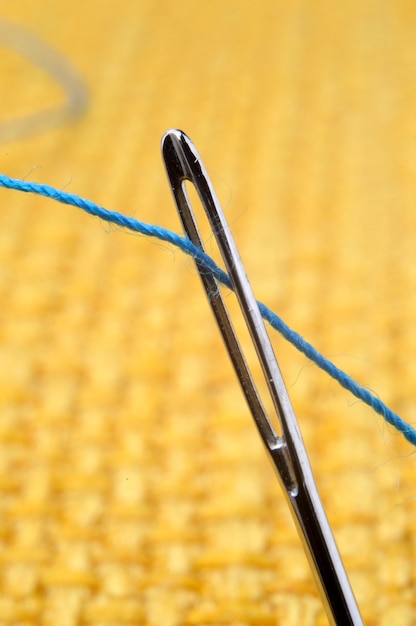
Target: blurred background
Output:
{"points": [[133, 486]]}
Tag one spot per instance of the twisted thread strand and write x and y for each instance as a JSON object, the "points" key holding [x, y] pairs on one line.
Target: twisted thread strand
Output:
{"points": [[184, 244]]}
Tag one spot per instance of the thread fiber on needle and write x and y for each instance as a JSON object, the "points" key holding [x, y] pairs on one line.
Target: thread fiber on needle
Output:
{"points": [[189, 248]]}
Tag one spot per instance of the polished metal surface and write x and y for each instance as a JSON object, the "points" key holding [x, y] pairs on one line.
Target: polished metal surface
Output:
{"points": [[286, 449]]}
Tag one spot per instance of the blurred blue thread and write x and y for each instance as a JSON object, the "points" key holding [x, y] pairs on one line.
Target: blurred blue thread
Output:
{"points": [[189, 248], [38, 52]]}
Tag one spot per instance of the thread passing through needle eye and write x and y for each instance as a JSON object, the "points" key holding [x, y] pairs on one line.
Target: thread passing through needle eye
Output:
{"points": [[286, 449]]}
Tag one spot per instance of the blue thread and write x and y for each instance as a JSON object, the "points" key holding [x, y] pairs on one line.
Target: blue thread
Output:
{"points": [[189, 248], [41, 54]]}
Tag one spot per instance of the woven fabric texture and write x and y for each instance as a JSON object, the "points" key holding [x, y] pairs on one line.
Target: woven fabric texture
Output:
{"points": [[133, 486]]}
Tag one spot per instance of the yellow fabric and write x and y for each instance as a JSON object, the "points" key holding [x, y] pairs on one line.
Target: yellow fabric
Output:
{"points": [[134, 488]]}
